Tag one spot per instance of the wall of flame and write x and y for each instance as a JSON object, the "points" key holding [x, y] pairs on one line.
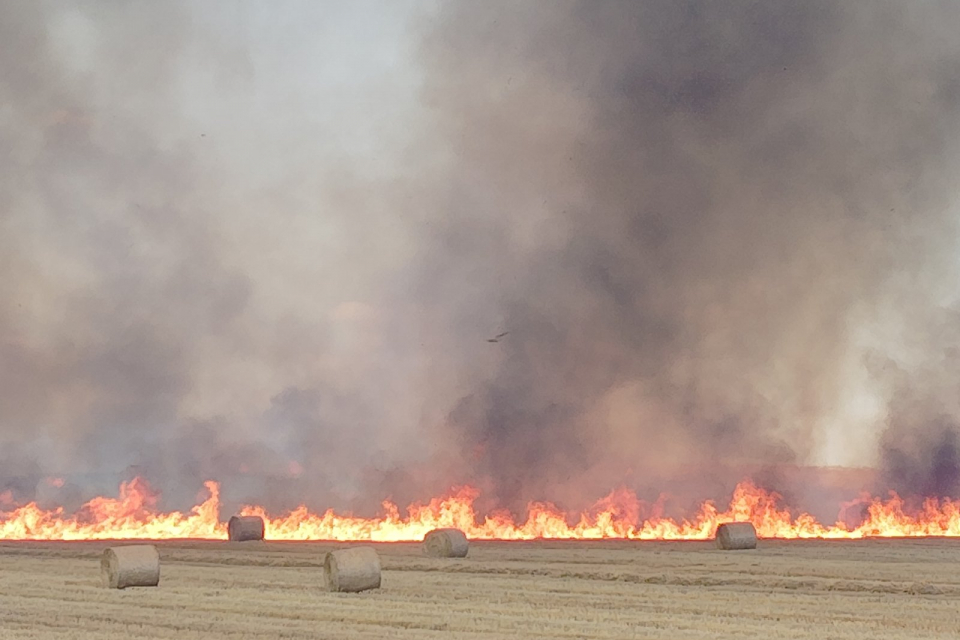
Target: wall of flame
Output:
{"points": [[133, 515]]}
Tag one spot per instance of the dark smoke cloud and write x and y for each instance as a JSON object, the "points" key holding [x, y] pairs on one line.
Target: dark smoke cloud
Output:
{"points": [[683, 211], [696, 221], [920, 449]]}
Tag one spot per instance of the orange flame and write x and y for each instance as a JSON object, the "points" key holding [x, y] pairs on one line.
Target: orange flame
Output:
{"points": [[133, 515]]}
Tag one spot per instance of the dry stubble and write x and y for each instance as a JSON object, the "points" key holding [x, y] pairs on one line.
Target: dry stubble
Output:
{"points": [[884, 589]]}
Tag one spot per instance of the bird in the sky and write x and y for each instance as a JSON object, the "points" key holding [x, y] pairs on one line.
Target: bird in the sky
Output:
{"points": [[497, 337]]}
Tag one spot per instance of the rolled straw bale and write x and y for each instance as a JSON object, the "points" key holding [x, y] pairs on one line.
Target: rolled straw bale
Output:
{"points": [[446, 543], [244, 528], [130, 566], [736, 535], [352, 570]]}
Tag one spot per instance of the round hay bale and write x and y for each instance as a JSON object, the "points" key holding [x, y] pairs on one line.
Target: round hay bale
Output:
{"points": [[244, 528], [446, 543], [130, 566], [352, 570], [733, 536]]}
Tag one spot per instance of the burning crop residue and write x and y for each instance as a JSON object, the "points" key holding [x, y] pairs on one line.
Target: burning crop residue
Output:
{"points": [[133, 515]]}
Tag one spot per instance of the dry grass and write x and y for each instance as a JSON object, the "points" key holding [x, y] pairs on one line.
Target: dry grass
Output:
{"points": [[808, 589]]}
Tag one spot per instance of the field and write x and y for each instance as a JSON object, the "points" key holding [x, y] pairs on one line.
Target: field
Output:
{"points": [[872, 589]]}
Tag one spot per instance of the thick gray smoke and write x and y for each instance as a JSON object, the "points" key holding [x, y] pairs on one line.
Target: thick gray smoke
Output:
{"points": [[269, 247], [920, 450], [689, 214]]}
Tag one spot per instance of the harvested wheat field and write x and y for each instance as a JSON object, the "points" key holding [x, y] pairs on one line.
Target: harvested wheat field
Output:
{"points": [[800, 589]]}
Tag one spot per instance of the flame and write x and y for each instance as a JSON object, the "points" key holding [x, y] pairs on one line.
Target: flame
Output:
{"points": [[134, 515]]}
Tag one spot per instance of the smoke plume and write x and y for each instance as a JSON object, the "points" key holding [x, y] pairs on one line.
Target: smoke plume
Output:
{"points": [[272, 246]]}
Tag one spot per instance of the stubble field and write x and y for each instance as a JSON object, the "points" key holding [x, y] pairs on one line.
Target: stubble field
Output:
{"points": [[905, 589]]}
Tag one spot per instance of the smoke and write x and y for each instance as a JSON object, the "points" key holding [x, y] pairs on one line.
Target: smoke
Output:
{"points": [[920, 452], [185, 257], [688, 215], [269, 246]]}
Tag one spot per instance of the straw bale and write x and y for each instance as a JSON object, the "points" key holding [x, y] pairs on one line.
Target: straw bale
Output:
{"points": [[244, 528], [130, 566], [352, 570], [446, 543], [733, 536]]}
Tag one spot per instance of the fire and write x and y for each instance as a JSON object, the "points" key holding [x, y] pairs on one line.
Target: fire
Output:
{"points": [[134, 515]]}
